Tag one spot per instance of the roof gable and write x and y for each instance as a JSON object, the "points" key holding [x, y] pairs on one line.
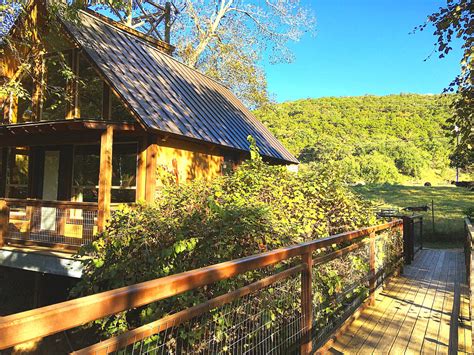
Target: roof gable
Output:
{"points": [[169, 96]]}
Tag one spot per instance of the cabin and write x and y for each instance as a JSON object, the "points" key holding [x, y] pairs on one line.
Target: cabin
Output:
{"points": [[106, 114]]}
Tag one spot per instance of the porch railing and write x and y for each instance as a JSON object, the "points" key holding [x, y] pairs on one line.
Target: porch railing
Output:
{"points": [[292, 301], [59, 224], [469, 259]]}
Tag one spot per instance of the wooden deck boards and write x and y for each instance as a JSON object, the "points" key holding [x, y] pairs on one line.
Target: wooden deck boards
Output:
{"points": [[425, 310]]}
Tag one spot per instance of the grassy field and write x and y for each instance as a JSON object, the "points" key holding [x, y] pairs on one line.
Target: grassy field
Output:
{"points": [[449, 205]]}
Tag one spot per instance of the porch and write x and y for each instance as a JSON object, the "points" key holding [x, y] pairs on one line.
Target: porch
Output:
{"points": [[59, 180]]}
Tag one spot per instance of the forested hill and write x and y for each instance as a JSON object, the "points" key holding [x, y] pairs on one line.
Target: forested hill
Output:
{"points": [[391, 138]]}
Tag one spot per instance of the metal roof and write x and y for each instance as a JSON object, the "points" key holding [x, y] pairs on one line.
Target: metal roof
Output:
{"points": [[169, 96]]}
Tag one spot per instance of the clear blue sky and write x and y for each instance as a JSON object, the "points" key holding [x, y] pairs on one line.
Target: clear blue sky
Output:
{"points": [[364, 47]]}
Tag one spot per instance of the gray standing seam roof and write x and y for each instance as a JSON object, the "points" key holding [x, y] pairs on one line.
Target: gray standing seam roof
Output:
{"points": [[169, 96]]}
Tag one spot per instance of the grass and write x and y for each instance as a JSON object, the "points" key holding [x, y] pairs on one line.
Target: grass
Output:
{"points": [[450, 204]]}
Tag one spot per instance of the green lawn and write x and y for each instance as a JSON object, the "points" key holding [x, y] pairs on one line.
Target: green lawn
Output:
{"points": [[450, 202]]}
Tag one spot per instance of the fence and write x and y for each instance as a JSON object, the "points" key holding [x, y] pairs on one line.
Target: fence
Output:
{"points": [[292, 299], [49, 223], [469, 259], [413, 230]]}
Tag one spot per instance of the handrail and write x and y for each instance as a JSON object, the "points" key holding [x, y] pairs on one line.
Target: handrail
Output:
{"points": [[469, 260], [25, 326], [87, 206], [48, 203]]}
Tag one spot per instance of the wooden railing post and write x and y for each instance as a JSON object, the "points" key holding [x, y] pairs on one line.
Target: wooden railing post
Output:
{"points": [[29, 218], [4, 221], [307, 303], [372, 256], [408, 240]]}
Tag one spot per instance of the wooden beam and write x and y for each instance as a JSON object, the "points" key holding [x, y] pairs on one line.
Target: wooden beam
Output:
{"points": [[141, 170], [38, 87], [306, 303], [72, 86], [105, 178], [151, 165]]}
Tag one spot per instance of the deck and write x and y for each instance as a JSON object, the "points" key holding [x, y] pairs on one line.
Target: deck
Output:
{"points": [[426, 310]]}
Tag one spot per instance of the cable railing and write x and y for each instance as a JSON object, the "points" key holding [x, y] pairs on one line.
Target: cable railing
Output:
{"points": [[295, 300]]}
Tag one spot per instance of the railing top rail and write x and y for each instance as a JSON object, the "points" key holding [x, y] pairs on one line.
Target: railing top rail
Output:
{"points": [[65, 204], [46, 203], [469, 227], [24, 326]]}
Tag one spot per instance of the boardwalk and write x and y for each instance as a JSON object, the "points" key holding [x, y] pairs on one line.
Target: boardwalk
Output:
{"points": [[426, 310]]}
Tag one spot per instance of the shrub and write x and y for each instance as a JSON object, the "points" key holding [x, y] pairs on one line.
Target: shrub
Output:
{"points": [[256, 208]]}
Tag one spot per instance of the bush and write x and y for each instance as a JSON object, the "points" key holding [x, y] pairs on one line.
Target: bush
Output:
{"points": [[257, 208]]}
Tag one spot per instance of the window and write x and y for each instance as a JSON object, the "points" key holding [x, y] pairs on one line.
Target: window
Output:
{"points": [[87, 167], [86, 173], [90, 91], [124, 170], [17, 173], [119, 112], [55, 96], [25, 110]]}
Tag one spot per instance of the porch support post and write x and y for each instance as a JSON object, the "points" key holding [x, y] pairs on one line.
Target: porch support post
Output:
{"points": [[141, 169], [105, 178], [151, 164]]}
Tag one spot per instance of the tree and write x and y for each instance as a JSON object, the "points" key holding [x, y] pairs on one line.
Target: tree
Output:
{"points": [[456, 21], [226, 39]]}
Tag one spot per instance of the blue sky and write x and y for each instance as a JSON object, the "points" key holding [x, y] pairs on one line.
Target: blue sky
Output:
{"points": [[364, 47]]}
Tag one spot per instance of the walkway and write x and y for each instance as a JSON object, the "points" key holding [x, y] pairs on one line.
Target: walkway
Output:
{"points": [[426, 310]]}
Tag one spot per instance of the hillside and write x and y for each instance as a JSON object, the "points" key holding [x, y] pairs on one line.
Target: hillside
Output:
{"points": [[395, 138]]}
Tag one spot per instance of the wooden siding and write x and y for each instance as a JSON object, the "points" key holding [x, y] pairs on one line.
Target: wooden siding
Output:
{"points": [[185, 165]]}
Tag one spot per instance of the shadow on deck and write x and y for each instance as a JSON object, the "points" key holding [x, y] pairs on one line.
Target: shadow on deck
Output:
{"points": [[425, 310]]}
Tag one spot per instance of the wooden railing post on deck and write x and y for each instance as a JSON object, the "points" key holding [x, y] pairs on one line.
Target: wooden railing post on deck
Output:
{"points": [[469, 229], [408, 239], [4, 221], [307, 303], [372, 281]]}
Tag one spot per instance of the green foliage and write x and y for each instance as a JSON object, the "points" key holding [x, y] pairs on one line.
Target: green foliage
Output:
{"points": [[454, 22], [369, 138], [256, 208]]}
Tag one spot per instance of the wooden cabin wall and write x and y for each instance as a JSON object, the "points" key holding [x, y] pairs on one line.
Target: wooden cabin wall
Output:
{"points": [[185, 165]]}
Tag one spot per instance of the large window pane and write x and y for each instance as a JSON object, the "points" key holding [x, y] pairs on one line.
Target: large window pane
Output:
{"points": [[90, 91], [124, 169], [119, 112], [25, 111], [17, 173], [55, 94], [86, 173]]}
